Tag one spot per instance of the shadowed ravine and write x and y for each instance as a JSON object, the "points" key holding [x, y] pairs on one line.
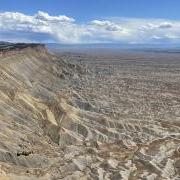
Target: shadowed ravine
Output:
{"points": [[55, 125]]}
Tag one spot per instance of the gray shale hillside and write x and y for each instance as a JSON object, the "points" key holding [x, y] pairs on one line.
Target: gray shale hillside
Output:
{"points": [[61, 120]]}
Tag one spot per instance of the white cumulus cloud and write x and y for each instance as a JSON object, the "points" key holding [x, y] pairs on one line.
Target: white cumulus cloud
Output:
{"points": [[107, 25], [46, 17], [42, 27]]}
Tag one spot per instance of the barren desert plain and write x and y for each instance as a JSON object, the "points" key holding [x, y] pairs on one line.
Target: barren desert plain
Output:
{"points": [[103, 114]]}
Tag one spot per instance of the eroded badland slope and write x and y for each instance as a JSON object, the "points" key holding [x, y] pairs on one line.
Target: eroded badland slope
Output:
{"points": [[50, 129]]}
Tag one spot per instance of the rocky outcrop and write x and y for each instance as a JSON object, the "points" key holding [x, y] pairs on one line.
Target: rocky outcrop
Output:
{"points": [[7, 49]]}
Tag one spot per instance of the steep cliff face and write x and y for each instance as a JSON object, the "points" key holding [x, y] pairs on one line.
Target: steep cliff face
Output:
{"points": [[30, 106], [48, 130]]}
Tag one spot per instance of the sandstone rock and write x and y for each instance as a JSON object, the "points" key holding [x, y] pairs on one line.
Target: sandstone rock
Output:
{"points": [[113, 163], [81, 163]]}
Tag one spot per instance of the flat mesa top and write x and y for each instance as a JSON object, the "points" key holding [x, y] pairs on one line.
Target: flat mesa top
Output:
{"points": [[4, 46]]}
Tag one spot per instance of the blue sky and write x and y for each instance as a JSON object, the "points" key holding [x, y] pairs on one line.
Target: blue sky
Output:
{"points": [[90, 21], [84, 10]]}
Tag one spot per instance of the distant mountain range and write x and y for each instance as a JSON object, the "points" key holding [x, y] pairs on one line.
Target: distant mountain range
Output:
{"points": [[168, 48], [161, 48]]}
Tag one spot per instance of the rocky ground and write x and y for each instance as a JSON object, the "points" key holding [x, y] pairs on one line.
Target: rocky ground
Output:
{"points": [[89, 115]]}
